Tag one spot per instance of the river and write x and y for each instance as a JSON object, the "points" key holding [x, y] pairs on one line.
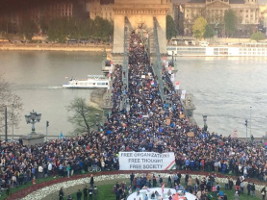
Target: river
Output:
{"points": [[229, 91], [223, 88]]}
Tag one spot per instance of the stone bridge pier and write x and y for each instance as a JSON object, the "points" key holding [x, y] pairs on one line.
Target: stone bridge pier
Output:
{"points": [[140, 14]]}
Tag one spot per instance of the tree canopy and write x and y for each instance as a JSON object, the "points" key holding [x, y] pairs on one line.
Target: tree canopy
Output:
{"points": [[28, 28], [209, 31], [62, 28], [199, 27], [12, 102], [84, 116], [170, 26], [257, 36], [230, 22]]}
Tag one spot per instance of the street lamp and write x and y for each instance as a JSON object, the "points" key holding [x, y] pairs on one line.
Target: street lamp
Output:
{"points": [[246, 124], [32, 118], [205, 122], [250, 121]]}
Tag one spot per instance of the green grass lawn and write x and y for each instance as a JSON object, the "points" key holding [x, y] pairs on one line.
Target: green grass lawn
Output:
{"points": [[105, 191], [16, 189]]}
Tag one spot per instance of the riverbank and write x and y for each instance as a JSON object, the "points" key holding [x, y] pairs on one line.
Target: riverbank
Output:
{"points": [[55, 47]]}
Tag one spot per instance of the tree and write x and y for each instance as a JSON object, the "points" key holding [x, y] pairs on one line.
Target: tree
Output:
{"points": [[58, 30], [64, 28], [209, 32], [28, 28], [84, 116], [170, 25], [102, 29], [230, 22], [257, 36], [44, 25], [199, 27], [12, 102]]}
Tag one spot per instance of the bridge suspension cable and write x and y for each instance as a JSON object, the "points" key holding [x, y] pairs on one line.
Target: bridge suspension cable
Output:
{"points": [[125, 66], [157, 67]]}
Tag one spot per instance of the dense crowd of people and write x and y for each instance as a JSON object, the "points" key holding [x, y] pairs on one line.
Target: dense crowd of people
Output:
{"points": [[205, 188], [149, 125]]}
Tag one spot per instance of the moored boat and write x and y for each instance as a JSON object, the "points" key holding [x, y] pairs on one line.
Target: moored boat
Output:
{"points": [[92, 81]]}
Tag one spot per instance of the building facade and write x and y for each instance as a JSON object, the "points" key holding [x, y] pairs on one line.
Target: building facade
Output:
{"points": [[39, 12], [98, 8], [263, 17], [105, 8], [247, 12]]}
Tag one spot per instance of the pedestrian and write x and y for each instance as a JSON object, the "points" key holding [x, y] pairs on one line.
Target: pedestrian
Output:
{"points": [[132, 178], [253, 188], [68, 168], [249, 188], [92, 181], [242, 186], [263, 193], [170, 181], [61, 194], [160, 180], [154, 181], [236, 195], [91, 192], [85, 193], [231, 183], [79, 195], [146, 197]]}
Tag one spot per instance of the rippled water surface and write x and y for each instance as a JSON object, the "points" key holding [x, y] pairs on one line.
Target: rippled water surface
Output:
{"points": [[37, 77], [229, 91], [223, 88]]}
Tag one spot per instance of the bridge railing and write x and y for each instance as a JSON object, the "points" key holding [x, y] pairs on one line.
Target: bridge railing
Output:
{"points": [[125, 66], [157, 67]]}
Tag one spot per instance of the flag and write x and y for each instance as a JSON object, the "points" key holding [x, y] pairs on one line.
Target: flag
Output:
{"points": [[183, 94], [162, 188], [61, 136], [177, 85]]}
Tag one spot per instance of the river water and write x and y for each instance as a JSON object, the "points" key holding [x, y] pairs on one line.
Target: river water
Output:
{"points": [[222, 88]]}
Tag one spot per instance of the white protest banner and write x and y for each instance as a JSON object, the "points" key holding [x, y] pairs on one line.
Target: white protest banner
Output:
{"points": [[146, 161]]}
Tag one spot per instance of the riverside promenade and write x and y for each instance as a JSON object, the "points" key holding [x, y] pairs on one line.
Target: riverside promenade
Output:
{"points": [[55, 47]]}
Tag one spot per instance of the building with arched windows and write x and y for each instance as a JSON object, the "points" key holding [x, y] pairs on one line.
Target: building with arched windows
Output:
{"points": [[104, 8], [247, 12], [100, 8]]}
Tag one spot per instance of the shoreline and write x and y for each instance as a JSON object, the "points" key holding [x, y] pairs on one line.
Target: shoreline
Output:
{"points": [[55, 47]]}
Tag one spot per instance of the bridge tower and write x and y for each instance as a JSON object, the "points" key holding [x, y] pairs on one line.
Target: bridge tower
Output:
{"points": [[139, 13]]}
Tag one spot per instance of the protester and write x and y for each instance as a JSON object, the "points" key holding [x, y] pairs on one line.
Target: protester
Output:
{"points": [[79, 195], [150, 124], [61, 194], [263, 193]]}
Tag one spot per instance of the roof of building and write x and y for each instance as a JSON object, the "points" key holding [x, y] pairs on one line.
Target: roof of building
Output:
{"points": [[237, 1], [203, 1]]}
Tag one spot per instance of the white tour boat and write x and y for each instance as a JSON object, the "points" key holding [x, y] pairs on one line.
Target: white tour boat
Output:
{"points": [[92, 81], [244, 50]]}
